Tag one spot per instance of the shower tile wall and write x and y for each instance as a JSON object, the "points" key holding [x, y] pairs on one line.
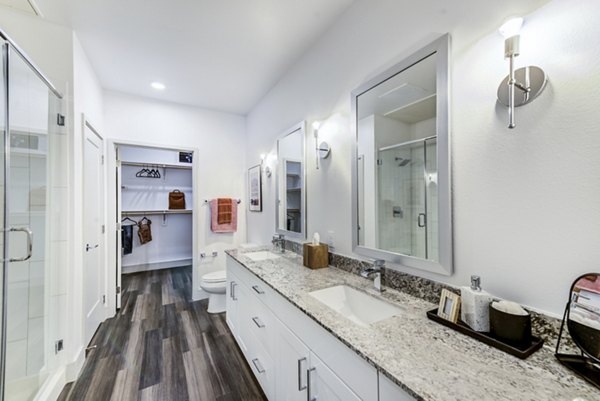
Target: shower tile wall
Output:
{"points": [[402, 196]]}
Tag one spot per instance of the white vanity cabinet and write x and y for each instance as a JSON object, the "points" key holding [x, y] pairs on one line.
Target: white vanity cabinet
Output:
{"points": [[324, 384], [232, 302], [292, 367], [389, 391], [288, 352]]}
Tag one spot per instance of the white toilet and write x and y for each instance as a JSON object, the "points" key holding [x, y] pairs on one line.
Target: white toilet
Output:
{"points": [[215, 283]]}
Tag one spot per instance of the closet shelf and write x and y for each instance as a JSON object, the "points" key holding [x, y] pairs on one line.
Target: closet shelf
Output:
{"points": [[173, 166], [154, 212]]}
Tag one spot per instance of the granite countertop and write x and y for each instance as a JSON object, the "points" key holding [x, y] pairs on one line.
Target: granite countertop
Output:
{"points": [[429, 361]]}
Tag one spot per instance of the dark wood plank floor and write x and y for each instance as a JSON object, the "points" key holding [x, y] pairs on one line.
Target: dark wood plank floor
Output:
{"points": [[161, 346]]}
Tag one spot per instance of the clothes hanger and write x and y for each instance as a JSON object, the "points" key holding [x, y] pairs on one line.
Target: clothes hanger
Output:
{"points": [[142, 220], [127, 218]]}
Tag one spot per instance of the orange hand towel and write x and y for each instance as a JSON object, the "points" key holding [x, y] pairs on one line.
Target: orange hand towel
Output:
{"points": [[224, 210], [223, 215]]}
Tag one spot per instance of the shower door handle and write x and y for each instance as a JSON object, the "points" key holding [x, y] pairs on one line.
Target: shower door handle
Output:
{"points": [[29, 234], [422, 220]]}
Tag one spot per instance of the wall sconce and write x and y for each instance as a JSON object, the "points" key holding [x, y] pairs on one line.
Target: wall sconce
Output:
{"points": [[266, 168], [322, 150], [529, 81]]}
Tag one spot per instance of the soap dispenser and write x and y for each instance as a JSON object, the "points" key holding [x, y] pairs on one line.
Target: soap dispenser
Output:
{"points": [[475, 306]]}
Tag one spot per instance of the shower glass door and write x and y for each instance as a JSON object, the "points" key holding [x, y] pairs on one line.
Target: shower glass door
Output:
{"points": [[407, 199], [28, 352]]}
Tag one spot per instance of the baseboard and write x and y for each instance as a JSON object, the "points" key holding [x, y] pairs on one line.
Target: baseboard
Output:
{"points": [[52, 386], [74, 368], [156, 266]]}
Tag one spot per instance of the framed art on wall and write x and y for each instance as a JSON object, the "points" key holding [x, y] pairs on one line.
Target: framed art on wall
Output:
{"points": [[254, 189]]}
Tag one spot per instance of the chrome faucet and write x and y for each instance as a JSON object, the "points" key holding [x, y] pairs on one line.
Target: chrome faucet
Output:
{"points": [[278, 243], [378, 271]]}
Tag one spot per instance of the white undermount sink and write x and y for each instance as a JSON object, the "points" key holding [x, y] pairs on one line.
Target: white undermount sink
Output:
{"points": [[262, 255], [357, 306]]}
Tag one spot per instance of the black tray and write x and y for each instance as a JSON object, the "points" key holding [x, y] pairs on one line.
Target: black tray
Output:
{"points": [[520, 351]]}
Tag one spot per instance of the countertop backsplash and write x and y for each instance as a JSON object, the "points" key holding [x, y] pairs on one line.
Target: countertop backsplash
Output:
{"points": [[543, 326]]}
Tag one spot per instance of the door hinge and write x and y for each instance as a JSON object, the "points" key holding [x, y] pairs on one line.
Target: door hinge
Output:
{"points": [[102, 159], [58, 346], [118, 289], [104, 299], [103, 228], [379, 162], [60, 120]]}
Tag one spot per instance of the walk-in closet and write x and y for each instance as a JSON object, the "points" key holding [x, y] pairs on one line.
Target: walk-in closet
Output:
{"points": [[155, 208]]}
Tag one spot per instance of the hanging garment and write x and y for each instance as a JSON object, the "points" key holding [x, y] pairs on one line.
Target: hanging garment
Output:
{"points": [[127, 239], [144, 230], [176, 200], [127, 235], [223, 215]]}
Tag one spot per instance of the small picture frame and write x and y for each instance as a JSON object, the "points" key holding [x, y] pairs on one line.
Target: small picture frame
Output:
{"points": [[449, 306], [255, 189]]}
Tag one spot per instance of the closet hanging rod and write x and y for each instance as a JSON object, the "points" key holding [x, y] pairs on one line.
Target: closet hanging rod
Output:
{"points": [[237, 200], [154, 212], [155, 188], [160, 165]]}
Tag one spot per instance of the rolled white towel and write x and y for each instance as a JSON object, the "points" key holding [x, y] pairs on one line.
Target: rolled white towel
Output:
{"points": [[509, 307]]}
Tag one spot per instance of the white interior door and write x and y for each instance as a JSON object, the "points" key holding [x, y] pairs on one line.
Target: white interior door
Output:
{"points": [[119, 244], [94, 277]]}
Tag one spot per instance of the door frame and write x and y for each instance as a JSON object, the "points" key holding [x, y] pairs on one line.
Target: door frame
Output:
{"points": [[85, 123], [113, 209]]}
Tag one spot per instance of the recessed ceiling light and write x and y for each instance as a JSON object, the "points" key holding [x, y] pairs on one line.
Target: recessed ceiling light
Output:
{"points": [[158, 86]]}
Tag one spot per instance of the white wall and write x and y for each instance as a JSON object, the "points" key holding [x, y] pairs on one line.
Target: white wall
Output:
{"points": [[526, 211], [220, 140], [88, 105]]}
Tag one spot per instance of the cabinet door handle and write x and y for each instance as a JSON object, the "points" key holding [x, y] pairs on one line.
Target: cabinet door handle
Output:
{"points": [[257, 289], [231, 289], [258, 366], [257, 322], [300, 386], [422, 223], [308, 386], [233, 292]]}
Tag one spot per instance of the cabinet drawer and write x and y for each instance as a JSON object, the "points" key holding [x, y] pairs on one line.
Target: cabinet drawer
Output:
{"points": [[262, 365], [258, 320], [258, 287]]}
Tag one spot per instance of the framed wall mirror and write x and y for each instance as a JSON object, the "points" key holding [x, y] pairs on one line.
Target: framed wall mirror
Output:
{"points": [[291, 188], [401, 164]]}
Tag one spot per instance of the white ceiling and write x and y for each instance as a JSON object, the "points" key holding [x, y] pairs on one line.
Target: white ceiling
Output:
{"points": [[218, 54]]}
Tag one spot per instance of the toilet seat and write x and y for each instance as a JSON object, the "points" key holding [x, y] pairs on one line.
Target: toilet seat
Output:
{"points": [[215, 284], [215, 277]]}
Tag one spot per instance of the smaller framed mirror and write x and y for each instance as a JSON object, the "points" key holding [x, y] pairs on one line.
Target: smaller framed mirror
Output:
{"points": [[291, 183], [582, 318]]}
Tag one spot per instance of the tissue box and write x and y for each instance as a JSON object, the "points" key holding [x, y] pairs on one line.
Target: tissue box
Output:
{"points": [[514, 329], [316, 256]]}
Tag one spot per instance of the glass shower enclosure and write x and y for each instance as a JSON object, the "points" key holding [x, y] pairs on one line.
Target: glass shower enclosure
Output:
{"points": [[407, 198], [31, 179]]}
